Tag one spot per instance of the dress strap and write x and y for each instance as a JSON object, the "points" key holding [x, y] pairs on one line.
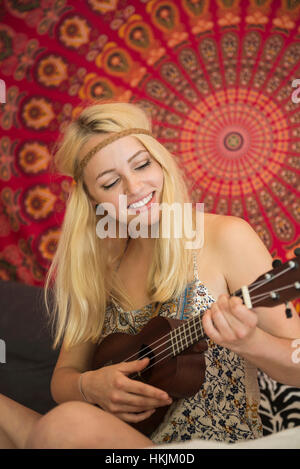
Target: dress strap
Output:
{"points": [[195, 266]]}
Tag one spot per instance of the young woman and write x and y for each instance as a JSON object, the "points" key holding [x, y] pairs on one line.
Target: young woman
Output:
{"points": [[105, 285]]}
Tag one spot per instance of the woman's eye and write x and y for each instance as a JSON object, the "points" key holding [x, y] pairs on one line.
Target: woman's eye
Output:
{"points": [[140, 167], [144, 165], [107, 187]]}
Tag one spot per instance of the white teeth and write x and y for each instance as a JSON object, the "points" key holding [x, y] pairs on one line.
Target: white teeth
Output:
{"points": [[141, 202]]}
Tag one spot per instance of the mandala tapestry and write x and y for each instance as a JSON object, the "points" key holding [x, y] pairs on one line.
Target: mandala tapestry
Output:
{"points": [[218, 77]]}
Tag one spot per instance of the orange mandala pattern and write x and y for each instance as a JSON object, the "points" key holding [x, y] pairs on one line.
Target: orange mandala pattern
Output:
{"points": [[217, 77]]}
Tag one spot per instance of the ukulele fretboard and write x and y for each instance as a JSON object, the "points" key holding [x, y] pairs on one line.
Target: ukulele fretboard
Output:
{"points": [[186, 335]]}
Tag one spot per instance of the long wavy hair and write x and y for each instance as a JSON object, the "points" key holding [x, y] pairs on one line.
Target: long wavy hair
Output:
{"points": [[80, 278]]}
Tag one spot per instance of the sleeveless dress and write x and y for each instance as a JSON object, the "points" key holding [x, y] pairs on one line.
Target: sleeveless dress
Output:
{"points": [[226, 406]]}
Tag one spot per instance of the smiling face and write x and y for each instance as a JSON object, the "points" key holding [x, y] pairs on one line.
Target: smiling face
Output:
{"points": [[125, 167]]}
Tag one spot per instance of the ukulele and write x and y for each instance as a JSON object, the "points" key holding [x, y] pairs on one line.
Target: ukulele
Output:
{"points": [[176, 365]]}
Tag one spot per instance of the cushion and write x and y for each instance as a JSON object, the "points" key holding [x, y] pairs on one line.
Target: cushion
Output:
{"points": [[279, 405], [26, 340]]}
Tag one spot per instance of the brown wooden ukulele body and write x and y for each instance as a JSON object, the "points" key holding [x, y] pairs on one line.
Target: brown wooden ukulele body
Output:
{"points": [[180, 376], [176, 347]]}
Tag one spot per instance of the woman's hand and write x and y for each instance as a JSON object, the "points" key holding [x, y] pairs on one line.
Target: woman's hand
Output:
{"points": [[128, 399], [230, 323]]}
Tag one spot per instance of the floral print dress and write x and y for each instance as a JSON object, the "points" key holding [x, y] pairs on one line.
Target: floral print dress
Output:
{"points": [[226, 406]]}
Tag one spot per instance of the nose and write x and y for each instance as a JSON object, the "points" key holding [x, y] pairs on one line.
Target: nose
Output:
{"points": [[133, 185]]}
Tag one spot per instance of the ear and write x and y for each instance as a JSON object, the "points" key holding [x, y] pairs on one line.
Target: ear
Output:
{"points": [[94, 204]]}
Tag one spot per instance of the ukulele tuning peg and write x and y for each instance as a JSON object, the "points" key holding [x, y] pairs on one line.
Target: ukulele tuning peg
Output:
{"points": [[276, 263], [288, 311]]}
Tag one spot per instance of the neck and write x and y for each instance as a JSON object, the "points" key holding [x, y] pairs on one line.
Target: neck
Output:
{"points": [[135, 248], [141, 246]]}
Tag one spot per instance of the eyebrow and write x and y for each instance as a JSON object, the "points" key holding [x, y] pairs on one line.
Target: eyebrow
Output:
{"points": [[128, 161]]}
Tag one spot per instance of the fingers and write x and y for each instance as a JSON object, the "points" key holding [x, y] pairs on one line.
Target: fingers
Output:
{"points": [[128, 395], [133, 366], [134, 396], [229, 322], [135, 418], [236, 312], [123, 400], [138, 387], [210, 329]]}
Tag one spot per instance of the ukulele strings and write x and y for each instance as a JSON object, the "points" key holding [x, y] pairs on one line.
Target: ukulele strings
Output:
{"points": [[263, 296], [165, 350], [264, 281], [181, 332], [170, 355], [259, 297], [180, 335], [169, 340], [254, 285], [170, 346], [161, 338]]}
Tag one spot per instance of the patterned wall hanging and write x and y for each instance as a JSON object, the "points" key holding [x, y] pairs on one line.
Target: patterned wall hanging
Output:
{"points": [[217, 77]]}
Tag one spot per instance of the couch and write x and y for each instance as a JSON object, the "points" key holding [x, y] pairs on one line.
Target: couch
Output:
{"points": [[29, 361]]}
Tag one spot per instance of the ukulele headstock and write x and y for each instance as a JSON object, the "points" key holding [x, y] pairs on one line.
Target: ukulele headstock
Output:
{"points": [[277, 286]]}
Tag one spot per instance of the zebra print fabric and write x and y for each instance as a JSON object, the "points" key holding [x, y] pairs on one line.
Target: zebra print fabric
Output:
{"points": [[279, 406]]}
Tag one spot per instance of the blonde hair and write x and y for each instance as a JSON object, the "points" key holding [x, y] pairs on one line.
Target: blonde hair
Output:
{"points": [[80, 274]]}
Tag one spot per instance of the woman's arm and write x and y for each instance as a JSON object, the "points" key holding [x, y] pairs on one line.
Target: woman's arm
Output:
{"points": [[109, 387], [262, 335], [70, 364]]}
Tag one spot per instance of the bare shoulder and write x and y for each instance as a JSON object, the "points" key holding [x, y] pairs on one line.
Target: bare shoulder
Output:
{"points": [[218, 225], [241, 254], [212, 224], [224, 231], [242, 257], [220, 228]]}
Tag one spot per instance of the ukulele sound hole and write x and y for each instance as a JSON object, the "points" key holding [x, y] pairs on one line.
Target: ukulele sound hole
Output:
{"points": [[146, 351]]}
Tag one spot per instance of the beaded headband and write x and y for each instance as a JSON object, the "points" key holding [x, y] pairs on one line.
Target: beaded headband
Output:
{"points": [[79, 167]]}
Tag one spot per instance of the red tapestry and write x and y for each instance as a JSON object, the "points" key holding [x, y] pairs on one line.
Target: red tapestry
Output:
{"points": [[219, 78]]}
